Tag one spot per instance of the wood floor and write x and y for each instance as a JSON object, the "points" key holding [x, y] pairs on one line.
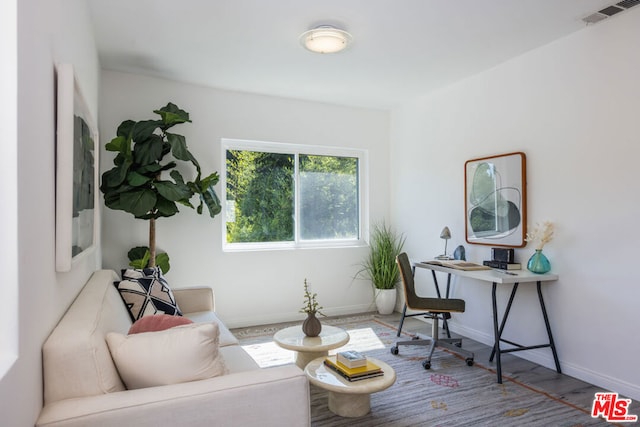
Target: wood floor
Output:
{"points": [[559, 385]]}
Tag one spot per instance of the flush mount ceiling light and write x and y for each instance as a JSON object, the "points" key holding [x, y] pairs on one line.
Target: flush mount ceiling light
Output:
{"points": [[325, 39]]}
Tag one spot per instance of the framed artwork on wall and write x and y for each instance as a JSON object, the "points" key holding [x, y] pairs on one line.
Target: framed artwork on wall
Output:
{"points": [[496, 200], [76, 172]]}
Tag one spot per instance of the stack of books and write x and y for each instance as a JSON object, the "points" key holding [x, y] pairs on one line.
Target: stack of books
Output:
{"points": [[353, 366], [503, 265]]}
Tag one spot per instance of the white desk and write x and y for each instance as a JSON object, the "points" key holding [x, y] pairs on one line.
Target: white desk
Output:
{"points": [[496, 277]]}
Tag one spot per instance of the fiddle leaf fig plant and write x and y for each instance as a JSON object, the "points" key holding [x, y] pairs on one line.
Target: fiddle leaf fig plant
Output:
{"points": [[140, 256], [146, 184]]}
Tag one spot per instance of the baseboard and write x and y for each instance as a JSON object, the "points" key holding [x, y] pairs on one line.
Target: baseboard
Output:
{"points": [[262, 319]]}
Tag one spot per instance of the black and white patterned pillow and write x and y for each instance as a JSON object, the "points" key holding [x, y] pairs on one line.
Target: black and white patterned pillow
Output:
{"points": [[146, 292]]}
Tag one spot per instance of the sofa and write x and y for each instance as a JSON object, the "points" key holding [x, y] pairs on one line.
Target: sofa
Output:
{"points": [[82, 386]]}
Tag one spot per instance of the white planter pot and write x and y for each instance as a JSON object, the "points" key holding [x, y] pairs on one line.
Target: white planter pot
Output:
{"points": [[385, 300]]}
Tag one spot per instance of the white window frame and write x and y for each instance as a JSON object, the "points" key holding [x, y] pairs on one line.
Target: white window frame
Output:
{"points": [[297, 150]]}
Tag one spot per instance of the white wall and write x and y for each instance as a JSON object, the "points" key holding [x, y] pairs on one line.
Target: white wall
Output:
{"points": [[48, 32], [572, 107], [251, 287], [9, 184]]}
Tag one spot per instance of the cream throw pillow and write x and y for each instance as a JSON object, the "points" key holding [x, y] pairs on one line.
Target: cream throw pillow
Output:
{"points": [[175, 355]]}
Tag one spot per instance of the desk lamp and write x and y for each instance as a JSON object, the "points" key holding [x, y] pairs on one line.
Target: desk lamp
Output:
{"points": [[446, 235]]}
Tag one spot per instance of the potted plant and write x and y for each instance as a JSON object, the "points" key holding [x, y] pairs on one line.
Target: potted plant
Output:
{"points": [[380, 266], [138, 183], [311, 325]]}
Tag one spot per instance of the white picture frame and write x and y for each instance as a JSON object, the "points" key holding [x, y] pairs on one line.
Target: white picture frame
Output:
{"points": [[77, 221]]}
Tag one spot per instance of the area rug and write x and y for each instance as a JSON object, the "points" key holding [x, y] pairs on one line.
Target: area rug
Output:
{"points": [[449, 394]]}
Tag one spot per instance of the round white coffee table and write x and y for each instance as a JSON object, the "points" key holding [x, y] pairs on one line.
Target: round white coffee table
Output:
{"points": [[309, 348], [349, 399]]}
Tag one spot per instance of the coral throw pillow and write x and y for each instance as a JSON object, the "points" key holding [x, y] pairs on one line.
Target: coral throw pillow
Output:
{"points": [[157, 322]]}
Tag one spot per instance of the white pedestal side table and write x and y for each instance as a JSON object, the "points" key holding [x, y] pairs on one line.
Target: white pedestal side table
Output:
{"points": [[349, 399], [309, 348]]}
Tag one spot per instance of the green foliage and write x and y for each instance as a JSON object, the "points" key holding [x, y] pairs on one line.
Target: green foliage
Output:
{"points": [[262, 186], [380, 265], [310, 303], [136, 183], [328, 197], [140, 256]]}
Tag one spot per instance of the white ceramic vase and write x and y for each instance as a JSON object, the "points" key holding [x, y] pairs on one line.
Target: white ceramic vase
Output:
{"points": [[385, 300]]}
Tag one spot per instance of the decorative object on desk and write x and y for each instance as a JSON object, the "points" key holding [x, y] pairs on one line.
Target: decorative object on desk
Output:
{"points": [[458, 264], [503, 265], [351, 359], [146, 180], [538, 263], [446, 235], [503, 255], [380, 266], [311, 326], [495, 200], [460, 253], [543, 233]]}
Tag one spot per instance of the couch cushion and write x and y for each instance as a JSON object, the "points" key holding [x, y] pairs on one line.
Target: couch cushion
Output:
{"points": [[157, 322], [146, 292], [226, 337], [238, 360], [175, 355], [75, 356]]}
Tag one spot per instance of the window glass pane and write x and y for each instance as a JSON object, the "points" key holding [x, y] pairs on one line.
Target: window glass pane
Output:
{"points": [[259, 197], [328, 197]]}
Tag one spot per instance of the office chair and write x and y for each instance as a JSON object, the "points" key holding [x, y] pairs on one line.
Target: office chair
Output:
{"points": [[433, 308], [458, 254]]}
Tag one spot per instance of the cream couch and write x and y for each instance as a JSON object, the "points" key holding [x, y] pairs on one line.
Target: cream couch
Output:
{"points": [[82, 386]]}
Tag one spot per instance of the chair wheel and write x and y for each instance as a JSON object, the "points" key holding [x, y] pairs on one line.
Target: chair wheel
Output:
{"points": [[394, 349], [426, 364], [469, 361]]}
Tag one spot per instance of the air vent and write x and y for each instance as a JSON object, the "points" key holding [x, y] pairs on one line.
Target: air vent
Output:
{"points": [[628, 3], [610, 11]]}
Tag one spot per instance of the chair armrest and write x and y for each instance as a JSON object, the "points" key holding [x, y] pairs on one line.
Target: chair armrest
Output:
{"points": [[194, 299], [271, 397]]}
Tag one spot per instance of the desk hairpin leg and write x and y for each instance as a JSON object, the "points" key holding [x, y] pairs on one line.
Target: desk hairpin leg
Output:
{"points": [[546, 323], [496, 334], [445, 316], [497, 330]]}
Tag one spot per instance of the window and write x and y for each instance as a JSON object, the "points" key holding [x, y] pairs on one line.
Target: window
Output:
{"points": [[286, 195]]}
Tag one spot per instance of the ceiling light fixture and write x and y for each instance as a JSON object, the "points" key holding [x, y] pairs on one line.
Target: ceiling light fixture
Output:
{"points": [[325, 39]]}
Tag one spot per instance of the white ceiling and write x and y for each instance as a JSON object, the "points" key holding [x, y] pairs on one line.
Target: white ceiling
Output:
{"points": [[401, 48]]}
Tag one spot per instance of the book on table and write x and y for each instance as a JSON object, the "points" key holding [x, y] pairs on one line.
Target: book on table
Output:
{"points": [[371, 370], [503, 265], [458, 264], [351, 358]]}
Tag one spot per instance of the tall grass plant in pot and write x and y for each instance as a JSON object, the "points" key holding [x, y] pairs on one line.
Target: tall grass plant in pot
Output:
{"points": [[380, 266]]}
